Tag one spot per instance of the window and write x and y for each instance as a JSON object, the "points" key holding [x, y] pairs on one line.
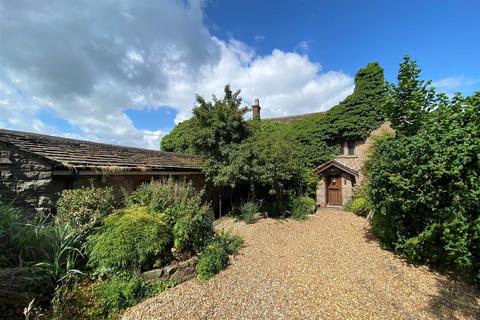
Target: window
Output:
{"points": [[351, 148]]}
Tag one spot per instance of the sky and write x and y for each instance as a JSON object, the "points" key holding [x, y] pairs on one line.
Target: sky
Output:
{"points": [[125, 71]]}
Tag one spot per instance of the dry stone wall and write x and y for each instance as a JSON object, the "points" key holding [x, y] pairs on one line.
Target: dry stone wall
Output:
{"points": [[26, 180]]}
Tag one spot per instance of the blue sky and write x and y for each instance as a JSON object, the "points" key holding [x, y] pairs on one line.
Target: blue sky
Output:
{"points": [[444, 36], [126, 72]]}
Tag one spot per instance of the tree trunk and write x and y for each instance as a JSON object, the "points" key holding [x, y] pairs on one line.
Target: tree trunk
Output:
{"points": [[279, 196]]}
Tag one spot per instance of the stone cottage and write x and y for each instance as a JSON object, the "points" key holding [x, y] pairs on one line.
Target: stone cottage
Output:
{"points": [[340, 176], [35, 168]]}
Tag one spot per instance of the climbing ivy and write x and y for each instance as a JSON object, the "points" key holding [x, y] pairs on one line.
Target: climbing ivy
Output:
{"points": [[321, 135]]}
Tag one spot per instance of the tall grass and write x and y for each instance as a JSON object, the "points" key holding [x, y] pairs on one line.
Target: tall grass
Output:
{"points": [[35, 254]]}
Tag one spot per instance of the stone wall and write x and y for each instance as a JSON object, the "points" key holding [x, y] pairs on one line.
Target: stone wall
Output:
{"points": [[321, 193], [26, 180], [347, 188], [179, 272], [357, 161]]}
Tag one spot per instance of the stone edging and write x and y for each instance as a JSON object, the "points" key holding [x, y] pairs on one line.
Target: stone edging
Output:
{"points": [[179, 272]]}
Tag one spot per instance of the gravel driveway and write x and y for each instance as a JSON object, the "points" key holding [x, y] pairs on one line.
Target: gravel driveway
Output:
{"points": [[325, 268]]}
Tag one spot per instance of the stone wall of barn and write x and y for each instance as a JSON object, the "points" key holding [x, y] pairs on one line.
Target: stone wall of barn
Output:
{"points": [[26, 180]]}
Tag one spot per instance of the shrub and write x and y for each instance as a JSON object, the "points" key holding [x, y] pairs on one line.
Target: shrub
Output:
{"points": [[360, 206], [425, 189], [192, 232], [83, 208], [77, 300], [94, 299], [120, 293], [184, 209], [248, 210], [230, 242], [129, 240], [212, 260], [300, 207]]}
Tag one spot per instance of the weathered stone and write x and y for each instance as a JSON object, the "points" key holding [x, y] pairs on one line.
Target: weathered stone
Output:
{"points": [[193, 261], [44, 201], [5, 160], [169, 270], [32, 184], [179, 272], [183, 264], [153, 274], [259, 215]]}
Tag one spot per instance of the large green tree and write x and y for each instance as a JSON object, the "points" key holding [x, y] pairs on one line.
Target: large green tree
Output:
{"points": [[217, 126], [180, 139], [424, 182], [410, 100]]}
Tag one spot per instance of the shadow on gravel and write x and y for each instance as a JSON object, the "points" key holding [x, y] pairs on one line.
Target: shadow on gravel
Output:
{"points": [[369, 236], [455, 299]]}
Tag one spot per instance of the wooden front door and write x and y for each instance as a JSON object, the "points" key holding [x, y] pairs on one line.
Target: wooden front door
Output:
{"points": [[334, 190]]}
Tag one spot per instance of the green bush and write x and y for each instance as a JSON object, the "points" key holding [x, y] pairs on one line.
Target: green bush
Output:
{"points": [[300, 207], [77, 300], [184, 209], [248, 210], [119, 293], [230, 242], [129, 240], [94, 299], [425, 189], [213, 259], [360, 206], [83, 208]]}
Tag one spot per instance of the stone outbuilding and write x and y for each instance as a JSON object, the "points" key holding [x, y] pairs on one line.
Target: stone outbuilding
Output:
{"points": [[35, 168]]}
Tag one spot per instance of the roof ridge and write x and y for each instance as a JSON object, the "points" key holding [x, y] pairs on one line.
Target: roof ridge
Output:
{"points": [[51, 137]]}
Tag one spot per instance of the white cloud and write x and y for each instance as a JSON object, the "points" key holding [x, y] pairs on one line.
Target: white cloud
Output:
{"points": [[88, 61], [453, 83]]}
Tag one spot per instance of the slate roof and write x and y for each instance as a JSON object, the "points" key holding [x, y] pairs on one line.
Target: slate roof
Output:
{"points": [[293, 118], [332, 163], [81, 154]]}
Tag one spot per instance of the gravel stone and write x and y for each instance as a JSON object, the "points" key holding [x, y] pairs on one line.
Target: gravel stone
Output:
{"points": [[327, 267]]}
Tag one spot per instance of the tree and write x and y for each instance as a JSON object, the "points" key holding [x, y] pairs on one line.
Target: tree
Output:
{"points": [[267, 159], [180, 139], [410, 100], [425, 188], [216, 126]]}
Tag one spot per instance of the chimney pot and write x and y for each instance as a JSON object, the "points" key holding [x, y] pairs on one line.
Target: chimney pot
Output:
{"points": [[256, 109]]}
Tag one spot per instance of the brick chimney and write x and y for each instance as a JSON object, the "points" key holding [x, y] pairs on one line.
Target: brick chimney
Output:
{"points": [[256, 110]]}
